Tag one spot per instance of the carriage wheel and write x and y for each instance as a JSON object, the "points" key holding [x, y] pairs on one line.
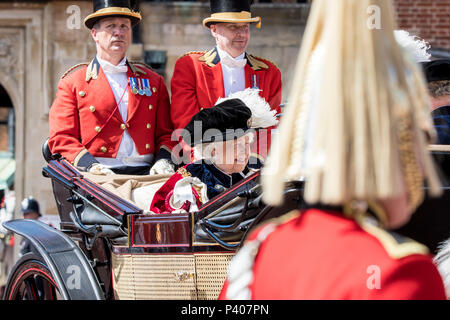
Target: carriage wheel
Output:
{"points": [[30, 279]]}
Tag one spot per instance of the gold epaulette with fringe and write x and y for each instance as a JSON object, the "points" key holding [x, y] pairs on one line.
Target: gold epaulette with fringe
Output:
{"points": [[192, 52], [73, 68], [396, 245], [208, 57], [265, 60], [258, 62]]}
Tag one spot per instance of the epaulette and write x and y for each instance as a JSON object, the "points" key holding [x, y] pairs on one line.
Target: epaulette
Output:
{"points": [[260, 58], [136, 69], [396, 245], [73, 68], [192, 52], [258, 62], [208, 57]]}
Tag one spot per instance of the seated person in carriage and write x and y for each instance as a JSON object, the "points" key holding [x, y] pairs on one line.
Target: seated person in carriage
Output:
{"points": [[437, 73], [221, 154]]}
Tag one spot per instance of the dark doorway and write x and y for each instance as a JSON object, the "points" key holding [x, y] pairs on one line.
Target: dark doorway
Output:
{"points": [[7, 141]]}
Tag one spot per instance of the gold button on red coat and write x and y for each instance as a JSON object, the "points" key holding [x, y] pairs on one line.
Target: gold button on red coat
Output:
{"points": [[123, 126], [98, 129], [92, 109], [82, 93], [103, 149], [149, 125], [150, 107], [147, 146]]}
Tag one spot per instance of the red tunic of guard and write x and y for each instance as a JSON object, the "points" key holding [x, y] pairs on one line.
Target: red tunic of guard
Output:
{"points": [[324, 255], [197, 83], [84, 118]]}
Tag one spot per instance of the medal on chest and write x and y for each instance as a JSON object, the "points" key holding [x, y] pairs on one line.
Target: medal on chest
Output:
{"points": [[146, 86], [254, 81], [140, 86], [134, 86]]}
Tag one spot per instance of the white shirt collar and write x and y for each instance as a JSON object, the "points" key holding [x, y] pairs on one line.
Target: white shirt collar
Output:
{"points": [[104, 62], [223, 53]]}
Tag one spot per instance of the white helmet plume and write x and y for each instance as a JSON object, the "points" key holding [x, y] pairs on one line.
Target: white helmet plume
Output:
{"points": [[262, 115], [442, 260], [415, 46]]}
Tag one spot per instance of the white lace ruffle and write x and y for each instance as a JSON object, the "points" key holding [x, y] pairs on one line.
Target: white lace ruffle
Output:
{"points": [[240, 269]]}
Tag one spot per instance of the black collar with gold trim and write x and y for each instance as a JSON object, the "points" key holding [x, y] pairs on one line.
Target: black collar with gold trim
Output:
{"points": [[94, 67]]}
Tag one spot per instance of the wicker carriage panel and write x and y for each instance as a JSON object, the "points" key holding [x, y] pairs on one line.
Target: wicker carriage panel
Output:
{"points": [[169, 277], [211, 273], [154, 277]]}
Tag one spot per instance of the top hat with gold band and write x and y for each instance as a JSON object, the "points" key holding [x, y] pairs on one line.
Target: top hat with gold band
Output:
{"points": [[108, 8], [231, 11]]}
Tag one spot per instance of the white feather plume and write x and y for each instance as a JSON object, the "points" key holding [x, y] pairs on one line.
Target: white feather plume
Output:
{"points": [[442, 260], [262, 115], [416, 47]]}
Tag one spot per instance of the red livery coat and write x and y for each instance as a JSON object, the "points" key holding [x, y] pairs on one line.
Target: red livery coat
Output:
{"points": [[84, 119], [323, 255], [197, 83]]}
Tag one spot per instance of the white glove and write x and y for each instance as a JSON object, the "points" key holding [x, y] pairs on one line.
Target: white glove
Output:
{"points": [[100, 169], [162, 166]]}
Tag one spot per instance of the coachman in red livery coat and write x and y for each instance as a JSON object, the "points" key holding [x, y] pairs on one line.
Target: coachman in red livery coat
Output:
{"points": [[87, 119], [82, 125], [198, 78]]}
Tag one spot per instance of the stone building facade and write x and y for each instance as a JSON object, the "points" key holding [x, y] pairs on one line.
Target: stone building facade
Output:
{"points": [[40, 40]]}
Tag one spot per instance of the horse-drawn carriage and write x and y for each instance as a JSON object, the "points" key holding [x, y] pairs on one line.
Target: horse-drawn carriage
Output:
{"points": [[109, 248]]}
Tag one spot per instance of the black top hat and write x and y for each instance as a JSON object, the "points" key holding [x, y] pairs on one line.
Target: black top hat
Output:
{"points": [[107, 8], [225, 121], [437, 70], [231, 11], [29, 205]]}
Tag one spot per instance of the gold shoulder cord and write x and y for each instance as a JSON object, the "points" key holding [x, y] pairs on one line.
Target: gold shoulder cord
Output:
{"points": [[208, 58], [73, 68], [258, 62]]}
